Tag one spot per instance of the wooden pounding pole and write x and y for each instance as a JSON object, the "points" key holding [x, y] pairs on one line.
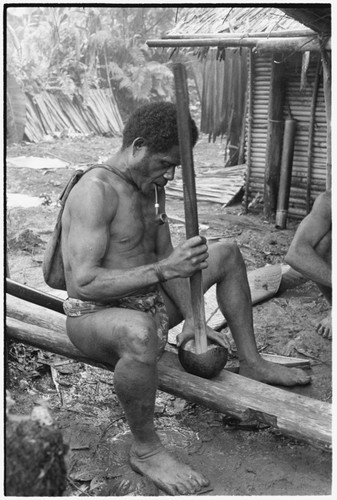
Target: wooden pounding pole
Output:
{"points": [[190, 200]]}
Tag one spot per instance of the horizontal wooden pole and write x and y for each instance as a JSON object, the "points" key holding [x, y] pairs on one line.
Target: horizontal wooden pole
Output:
{"points": [[35, 296], [204, 42], [298, 44], [294, 415]]}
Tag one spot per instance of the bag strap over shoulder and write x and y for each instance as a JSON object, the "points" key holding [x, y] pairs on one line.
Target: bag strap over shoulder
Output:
{"points": [[74, 180]]}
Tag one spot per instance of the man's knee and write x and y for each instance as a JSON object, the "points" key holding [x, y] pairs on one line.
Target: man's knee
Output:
{"points": [[230, 255], [141, 340]]}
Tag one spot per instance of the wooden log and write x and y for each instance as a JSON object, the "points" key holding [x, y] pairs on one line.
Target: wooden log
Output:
{"points": [[294, 415]]}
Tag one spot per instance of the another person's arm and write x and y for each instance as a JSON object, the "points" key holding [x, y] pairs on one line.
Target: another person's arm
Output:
{"points": [[302, 254]]}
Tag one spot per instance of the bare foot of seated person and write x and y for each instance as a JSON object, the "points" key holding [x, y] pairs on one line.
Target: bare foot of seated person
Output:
{"points": [[274, 374], [324, 327], [166, 472]]}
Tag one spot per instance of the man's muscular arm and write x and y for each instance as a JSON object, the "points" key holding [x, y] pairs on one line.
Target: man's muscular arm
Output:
{"points": [[88, 239], [302, 254]]}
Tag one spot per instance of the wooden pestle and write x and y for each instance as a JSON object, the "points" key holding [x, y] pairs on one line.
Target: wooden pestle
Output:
{"points": [[190, 200]]}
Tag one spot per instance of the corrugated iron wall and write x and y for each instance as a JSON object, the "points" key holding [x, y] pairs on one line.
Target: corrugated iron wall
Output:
{"points": [[260, 78], [310, 153], [305, 161]]}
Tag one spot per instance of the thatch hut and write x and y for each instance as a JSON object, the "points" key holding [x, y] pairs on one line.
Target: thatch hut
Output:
{"points": [[265, 86]]}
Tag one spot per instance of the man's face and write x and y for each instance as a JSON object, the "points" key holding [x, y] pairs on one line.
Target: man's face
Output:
{"points": [[159, 168]]}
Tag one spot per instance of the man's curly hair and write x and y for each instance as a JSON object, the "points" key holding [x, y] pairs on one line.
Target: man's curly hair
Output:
{"points": [[156, 123]]}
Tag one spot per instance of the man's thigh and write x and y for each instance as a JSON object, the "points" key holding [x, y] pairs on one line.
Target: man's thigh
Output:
{"points": [[105, 335]]}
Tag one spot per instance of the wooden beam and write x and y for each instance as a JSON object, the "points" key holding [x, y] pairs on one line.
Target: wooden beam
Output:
{"points": [[294, 44], [304, 44], [294, 415]]}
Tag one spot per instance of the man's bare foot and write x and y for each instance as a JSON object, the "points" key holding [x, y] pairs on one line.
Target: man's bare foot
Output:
{"points": [[324, 327], [274, 374], [167, 473]]}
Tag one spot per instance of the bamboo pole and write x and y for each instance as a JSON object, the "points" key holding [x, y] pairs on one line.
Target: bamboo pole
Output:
{"points": [[304, 44], [299, 44]]}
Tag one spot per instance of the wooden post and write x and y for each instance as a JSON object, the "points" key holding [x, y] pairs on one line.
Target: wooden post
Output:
{"points": [[274, 136], [285, 175]]}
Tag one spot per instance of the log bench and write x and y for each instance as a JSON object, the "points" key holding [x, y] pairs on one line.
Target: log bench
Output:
{"points": [[294, 415]]}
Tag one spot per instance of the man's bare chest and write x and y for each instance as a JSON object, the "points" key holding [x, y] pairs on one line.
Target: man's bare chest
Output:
{"points": [[134, 223]]}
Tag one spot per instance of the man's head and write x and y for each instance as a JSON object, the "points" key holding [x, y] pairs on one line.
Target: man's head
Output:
{"points": [[156, 124]]}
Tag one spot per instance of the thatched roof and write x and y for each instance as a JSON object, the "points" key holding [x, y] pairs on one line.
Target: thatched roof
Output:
{"points": [[316, 18], [233, 20], [261, 28]]}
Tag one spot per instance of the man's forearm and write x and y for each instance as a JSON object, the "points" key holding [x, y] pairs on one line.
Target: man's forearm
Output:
{"points": [[179, 292], [311, 266], [102, 284]]}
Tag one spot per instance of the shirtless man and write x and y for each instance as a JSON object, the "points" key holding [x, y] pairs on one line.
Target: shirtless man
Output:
{"points": [[310, 253], [127, 284]]}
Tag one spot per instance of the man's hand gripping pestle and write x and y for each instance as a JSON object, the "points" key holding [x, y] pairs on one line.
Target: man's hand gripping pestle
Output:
{"points": [[200, 356]]}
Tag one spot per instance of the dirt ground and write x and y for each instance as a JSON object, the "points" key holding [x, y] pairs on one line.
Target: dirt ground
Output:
{"points": [[239, 460]]}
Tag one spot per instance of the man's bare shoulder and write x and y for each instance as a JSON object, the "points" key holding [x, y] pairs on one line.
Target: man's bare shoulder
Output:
{"points": [[96, 193], [322, 206]]}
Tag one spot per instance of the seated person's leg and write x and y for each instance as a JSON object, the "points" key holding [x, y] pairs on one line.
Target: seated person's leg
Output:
{"points": [[128, 340], [227, 270]]}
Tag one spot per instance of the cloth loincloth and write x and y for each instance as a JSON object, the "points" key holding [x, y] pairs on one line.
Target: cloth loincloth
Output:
{"points": [[151, 303]]}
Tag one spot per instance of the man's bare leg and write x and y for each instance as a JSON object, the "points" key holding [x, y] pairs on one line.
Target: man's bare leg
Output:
{"points": [[135, 381], [228, 270], [148, 456], [324, 327]]}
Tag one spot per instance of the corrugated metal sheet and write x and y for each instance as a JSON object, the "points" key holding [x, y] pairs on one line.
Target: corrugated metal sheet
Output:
{"points": [[261, 71], [299, 101], [300, 105]]}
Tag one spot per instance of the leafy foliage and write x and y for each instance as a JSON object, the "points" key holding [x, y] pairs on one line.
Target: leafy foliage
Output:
{"points": [[74, 49]]}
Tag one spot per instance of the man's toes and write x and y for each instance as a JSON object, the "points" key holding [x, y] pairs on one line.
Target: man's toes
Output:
{"points": [[170, 490], [327, 333], [305, 379], [183, 489], [194, 484]]}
